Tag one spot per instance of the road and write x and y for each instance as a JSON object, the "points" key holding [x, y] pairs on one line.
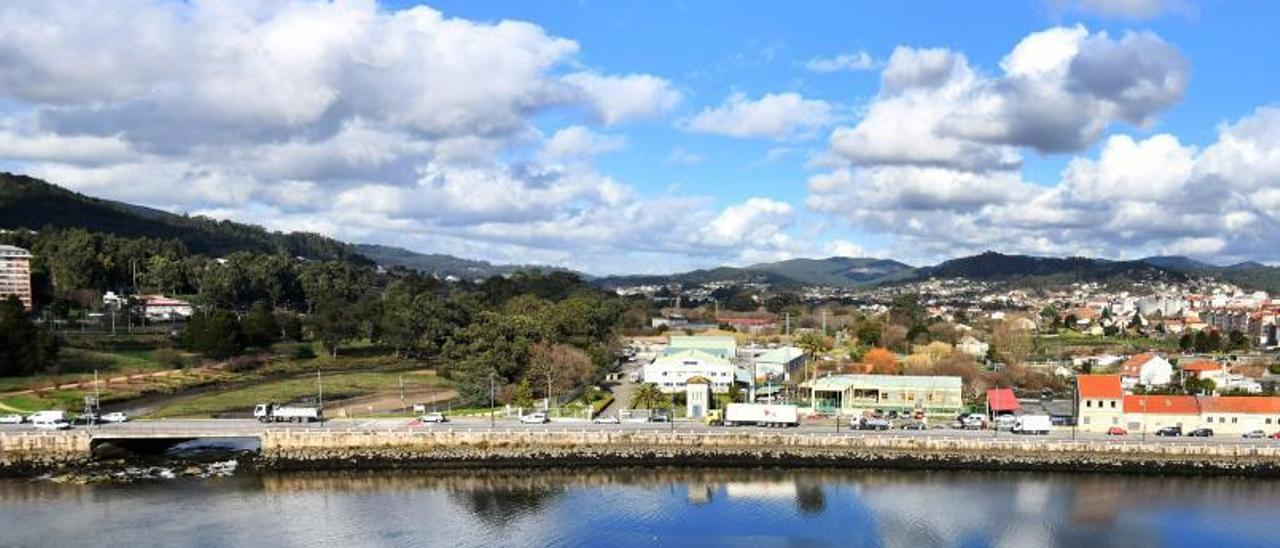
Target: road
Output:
{"points": [[249, 427]]}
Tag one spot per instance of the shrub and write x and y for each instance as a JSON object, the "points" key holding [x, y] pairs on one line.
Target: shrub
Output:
{"points": [[303, 352], [170, 358], [242, 364]]}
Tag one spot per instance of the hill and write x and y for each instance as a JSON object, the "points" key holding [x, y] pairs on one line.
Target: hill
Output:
{"points": [[833, 271], [27, 202], [997, 267], [441, 265]]}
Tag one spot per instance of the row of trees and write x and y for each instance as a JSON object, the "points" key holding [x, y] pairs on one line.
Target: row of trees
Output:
{"points": [[24, 347], [1206, 341]]}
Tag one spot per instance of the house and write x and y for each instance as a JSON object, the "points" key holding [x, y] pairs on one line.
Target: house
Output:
{"points": [[784, 362], [1002, 401], [1201, 369], [1099, 402], [852, 395], [1151, 413], [159, 308], [1146, 369], [672, 371], [1235, 415], [973, 347]]}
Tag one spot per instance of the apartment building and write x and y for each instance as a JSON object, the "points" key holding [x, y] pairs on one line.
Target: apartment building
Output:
{"points": [[15, 274]]}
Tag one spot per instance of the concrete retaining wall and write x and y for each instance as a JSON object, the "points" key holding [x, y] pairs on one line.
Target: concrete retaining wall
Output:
{"points": [[25, 451]]}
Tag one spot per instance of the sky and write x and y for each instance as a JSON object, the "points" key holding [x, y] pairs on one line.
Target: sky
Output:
{"points": [[651, 137]]}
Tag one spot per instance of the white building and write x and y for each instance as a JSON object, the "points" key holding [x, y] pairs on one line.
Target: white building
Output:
{"points": [[671, 371], [1146, 369], [973, 347], [159, 308], [15, 274]]}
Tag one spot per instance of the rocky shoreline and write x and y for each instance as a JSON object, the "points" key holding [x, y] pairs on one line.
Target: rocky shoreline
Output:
{"points": [[390, 458]]}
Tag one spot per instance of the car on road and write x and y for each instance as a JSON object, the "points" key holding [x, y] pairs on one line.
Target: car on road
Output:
{"points": [[1275, 436], [873, 423], [659, 418], [1255, 434], [12, 419], [1117, 431], [915, 425], [433, 418], [1006, 422], [52, 425], [1173, 431], [609, 419], [114, 417], [535, 418], [1201, 433]]}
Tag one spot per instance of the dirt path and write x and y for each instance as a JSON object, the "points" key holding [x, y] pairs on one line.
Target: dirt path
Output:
{"points": [[107, 381], [389, 402]]}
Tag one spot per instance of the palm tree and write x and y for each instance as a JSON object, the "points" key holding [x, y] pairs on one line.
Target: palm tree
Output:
{"points": [[813, 345], [649, 396]]}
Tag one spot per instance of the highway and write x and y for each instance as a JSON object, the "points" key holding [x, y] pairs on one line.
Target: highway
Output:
{"points": [[251, 428]]}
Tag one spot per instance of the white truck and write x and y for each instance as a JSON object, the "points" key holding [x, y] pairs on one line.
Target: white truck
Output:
{"points": [[760, 414], [270, 412], [1033, 424], [50, 420]]}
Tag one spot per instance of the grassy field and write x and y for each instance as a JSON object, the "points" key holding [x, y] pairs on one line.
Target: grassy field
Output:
{"points": [[303, 387], [1070, 340]]}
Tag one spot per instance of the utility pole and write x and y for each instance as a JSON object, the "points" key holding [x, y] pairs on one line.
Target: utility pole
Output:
{"points": [[403, 403], [491, 399], [320, 387]]}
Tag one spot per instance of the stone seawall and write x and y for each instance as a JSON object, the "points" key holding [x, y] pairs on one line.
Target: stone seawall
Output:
{"points": [[442, 448], [24, 453]]}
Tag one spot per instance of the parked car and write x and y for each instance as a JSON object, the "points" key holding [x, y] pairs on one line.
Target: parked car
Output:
{"points": [[1255, 434], [433, 418], [873, 423], [535, 418], [603, 419], [115, 417], [52, 425], [12, 419], [1275, 436], [1006, 422], [1117, 431], [1201, 433], [915, 425], [974, 422], [659, 418], [1170, 431]]}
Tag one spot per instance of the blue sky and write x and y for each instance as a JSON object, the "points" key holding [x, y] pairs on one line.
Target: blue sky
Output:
{"points": [[661, 136]]}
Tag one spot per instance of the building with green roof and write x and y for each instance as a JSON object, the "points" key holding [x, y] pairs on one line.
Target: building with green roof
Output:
{"points": [[937, 396]]}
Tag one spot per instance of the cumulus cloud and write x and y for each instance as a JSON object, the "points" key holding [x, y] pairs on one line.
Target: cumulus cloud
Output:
{"points": [[776, 116], [362, 122], [855, 61]]}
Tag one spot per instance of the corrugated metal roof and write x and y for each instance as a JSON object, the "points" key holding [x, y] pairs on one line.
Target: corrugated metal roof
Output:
{"points": [[679, 355], [844, 382], [785, 354], [1002, 399]]}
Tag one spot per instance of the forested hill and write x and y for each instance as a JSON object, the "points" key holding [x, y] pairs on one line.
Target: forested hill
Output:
{"points": [[27, 202]]}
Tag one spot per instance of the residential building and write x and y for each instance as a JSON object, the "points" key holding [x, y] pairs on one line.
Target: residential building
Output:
{"points": [[1151, 413], [1099, 402], [1225, 415], [973, 347], [672, 371], [723, 346], [158, 308], [1146, 369], [15, 274], [938, 397]]}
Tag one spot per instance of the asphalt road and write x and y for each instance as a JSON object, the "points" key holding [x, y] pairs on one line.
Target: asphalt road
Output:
{"points": [[249, 427]]}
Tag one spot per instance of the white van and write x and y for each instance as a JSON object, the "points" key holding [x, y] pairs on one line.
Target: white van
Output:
{"points": [[1033, 424], [50, 420]]}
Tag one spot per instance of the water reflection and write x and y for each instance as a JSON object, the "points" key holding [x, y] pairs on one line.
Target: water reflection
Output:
{"points": [[593, 507]]}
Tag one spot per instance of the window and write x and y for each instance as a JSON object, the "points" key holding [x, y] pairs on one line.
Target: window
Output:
{"points": [[1086, 420], [1113, 404], [1233, 420], [1268, 421], [1088, 403]]}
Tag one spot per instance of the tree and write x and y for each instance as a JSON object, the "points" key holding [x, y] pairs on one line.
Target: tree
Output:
{"points": [[259, 326], [1011, 343], [867, 333], [24, 348], [558, 367], [214, 333], [332, 324], [1237, 341], [813, 345], [1201, 342], [649, 396], [524, 395], [1186, 342], [882, 361]]}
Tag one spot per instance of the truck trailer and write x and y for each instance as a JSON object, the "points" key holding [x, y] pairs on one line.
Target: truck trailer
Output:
{"points": [[270, 412], [757, 414], [1033, 424]]}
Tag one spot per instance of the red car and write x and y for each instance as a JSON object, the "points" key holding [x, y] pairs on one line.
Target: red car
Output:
{"points": [[1275, 436], [1117, 431]]}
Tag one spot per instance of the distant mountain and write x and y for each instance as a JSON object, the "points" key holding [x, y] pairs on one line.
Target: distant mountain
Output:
{"points": [[833, 271], [1174, 261], [992, 266], [439, 264], [27, 202]]}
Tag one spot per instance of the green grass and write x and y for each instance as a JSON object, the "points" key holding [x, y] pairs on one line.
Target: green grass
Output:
{"points": [[336, 386]]}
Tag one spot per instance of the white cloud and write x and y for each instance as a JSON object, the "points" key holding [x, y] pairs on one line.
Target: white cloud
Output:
{"points": [[621, 98], [776, 116], [681, 156], [578, 141], [845, 248], [858, 60], [1126, 9]]}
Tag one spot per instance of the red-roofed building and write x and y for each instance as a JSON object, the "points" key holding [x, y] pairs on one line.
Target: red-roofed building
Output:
{"points": [[1001, 401], [1197, 369], [1098, 402], [1234, 415], [1147, 369]]}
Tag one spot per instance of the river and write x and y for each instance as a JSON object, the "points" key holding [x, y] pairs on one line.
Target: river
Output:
{"points": [[641, 507]]}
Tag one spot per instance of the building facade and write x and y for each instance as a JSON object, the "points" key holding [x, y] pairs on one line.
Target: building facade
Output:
{"points": [[1099, 402], [672, 371], [937, 397], [15, 274]]}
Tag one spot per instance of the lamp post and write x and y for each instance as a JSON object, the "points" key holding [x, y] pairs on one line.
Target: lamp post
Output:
{"points": [[491, 399]]}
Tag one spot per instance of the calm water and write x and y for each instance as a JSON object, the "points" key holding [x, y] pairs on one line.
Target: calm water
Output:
{"points": [[647, 507]]}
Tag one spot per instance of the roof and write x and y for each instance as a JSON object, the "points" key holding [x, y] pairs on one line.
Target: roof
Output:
{"points": [[1172, 405], [721, 346], [1265, 405], [680, 355], [840, 383], [783, 355], [1002, 399], [1201, 366], [1099, 387], [1133, 366]]}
